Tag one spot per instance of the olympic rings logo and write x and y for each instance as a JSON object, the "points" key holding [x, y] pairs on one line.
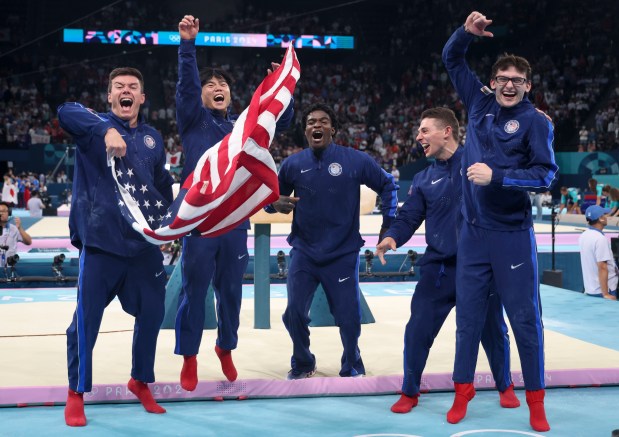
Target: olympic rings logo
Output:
{"points": [[175, 38]]}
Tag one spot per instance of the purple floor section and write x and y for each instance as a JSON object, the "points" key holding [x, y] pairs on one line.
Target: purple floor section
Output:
{"points": [[317, 386]]}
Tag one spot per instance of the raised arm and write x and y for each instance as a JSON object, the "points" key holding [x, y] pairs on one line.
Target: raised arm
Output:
{"points": [[188, 88], [468, 86]]}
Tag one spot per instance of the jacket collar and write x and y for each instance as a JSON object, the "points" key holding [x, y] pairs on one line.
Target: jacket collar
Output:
{"points": [[125, 123], [217, 114]]}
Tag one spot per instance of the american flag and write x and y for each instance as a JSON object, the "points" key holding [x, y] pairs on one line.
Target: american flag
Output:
{"points": [[232, 180]]}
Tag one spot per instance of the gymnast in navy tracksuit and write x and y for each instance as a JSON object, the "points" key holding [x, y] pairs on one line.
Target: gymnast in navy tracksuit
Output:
{"points": [[325, 239], [203, 119], [114, 259], [508, 153], [436, 196]]}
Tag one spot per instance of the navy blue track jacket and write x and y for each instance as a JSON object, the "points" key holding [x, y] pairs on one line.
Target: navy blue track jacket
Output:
{"points": [[325, 223], [435, 196], [516, 143], [96, 220]]}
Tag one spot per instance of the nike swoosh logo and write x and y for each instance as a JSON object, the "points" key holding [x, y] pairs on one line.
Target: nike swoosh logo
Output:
{"points": [[516, 266], [242, 256], [305, 171], [438, 180], [342, 280], [159, 274]]}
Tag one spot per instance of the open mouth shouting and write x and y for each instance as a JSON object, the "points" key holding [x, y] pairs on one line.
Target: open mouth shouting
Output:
{"points": [[318, 134], [126, 102], [318, 137], [126, 106]]}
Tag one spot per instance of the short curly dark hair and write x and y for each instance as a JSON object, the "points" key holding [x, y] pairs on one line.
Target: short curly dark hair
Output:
{"points": [[320, 107]]}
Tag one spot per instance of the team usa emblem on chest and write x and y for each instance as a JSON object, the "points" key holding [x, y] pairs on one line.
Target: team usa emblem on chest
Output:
{"points": [[149, 141], [511, 126], [335, 169]]}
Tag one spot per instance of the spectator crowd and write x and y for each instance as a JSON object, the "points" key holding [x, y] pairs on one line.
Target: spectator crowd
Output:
{"points": [[378, 90]]}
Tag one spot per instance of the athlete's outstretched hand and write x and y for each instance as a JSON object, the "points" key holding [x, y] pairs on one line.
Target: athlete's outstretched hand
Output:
{"points": [[384, 246]]}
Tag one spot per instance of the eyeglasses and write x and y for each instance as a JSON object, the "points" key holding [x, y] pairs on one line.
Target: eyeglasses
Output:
{"points": [[502, 80]]}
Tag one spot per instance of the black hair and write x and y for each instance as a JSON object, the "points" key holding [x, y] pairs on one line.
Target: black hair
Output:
{"points": [[208, 73], [320, 107]]}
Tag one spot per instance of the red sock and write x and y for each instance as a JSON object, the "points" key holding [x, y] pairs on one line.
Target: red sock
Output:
{"points": [[74, 410], [143, 393], [464, 393], [537, 414], [508, 398], [189, 373], [405, 404], [226, 363]]}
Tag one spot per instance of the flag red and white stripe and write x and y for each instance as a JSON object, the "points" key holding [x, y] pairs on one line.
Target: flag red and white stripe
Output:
{"points": [[232, 180]]}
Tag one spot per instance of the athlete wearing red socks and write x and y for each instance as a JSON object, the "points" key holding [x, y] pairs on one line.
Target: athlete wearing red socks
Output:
{"points": [[508, 153], [435, 198], [115, 261], [204, 119]]}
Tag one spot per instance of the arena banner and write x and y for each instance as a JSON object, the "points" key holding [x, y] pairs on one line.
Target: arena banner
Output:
{"points": [[215, 39]]}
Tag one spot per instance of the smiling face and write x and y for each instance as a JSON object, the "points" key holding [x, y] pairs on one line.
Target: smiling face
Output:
{"points": [[509, 94], [125, 96], [319, 130], [434, 138], [216, 94]]}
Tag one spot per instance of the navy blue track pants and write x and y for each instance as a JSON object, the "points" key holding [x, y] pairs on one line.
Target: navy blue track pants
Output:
{"points": [[340, 280], [508, 261], [434, 297], [139, 282], [223, 260]]}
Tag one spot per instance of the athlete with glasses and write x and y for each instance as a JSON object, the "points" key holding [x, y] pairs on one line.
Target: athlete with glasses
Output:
{"points": [[508, 153]]}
